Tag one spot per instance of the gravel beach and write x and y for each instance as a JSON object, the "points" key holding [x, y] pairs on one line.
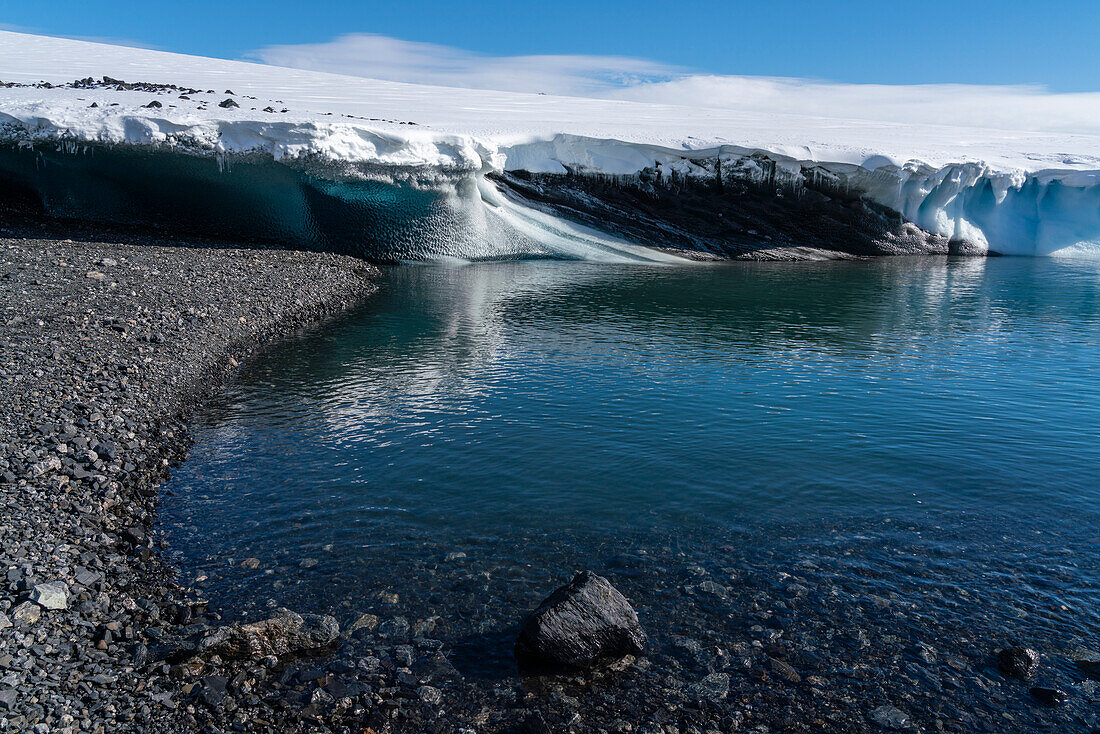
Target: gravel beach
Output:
{"points": [[106, 350]]}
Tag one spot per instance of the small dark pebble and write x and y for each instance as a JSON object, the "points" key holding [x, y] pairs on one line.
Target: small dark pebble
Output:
{"points": [[1049, 696]]}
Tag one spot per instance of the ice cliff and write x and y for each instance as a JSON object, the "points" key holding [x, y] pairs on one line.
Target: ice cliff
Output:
{"points": [[399, 170]]}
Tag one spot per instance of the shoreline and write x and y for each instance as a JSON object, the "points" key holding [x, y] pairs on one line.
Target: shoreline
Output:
{"points": [[118, 345], [109, 348]]}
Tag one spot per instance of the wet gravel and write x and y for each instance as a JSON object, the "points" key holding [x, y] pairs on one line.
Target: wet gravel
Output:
{"points": [[105, 349]]}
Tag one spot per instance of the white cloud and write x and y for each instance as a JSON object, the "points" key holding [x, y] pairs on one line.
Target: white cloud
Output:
{"points": [[379, 57], [109, 40], [618, 77], [1029, 108]]}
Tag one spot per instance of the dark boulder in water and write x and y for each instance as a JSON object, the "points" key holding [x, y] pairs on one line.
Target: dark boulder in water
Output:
{"points": [[1049, 696], [1089, 663], [1019, 662], [579, 624]]}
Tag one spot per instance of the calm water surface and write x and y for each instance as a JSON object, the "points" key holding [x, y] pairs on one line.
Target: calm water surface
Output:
{"points": [[888, 453]]}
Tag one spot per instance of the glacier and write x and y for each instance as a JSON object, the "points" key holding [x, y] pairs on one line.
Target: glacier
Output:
{"points": [[397, 171]]}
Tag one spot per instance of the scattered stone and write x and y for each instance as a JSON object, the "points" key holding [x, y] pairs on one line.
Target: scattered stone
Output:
{"points": [[580, 623], [713, 588], [97, 383], [784, 670], [286, 632], [925, 652], [1019, 662], [890, 717], [227, 104], [429, 695], [714, 687], [367, 622], [46, 465], [26, 613], [52, 595]]}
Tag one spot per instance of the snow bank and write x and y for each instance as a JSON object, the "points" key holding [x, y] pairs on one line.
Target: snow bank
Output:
{"points": [[1010, 191]]}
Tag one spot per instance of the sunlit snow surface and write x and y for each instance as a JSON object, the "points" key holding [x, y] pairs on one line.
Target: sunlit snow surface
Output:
{"points": [[1014, 192]]}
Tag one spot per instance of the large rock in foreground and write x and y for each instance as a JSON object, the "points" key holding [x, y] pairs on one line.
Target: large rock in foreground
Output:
{"points": [[579, 624], [286, 632]]}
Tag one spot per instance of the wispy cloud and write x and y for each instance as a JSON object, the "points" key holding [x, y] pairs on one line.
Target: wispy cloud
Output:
{"points": [[380, 57], [110, 40], [616, 77], [1030, 108]]}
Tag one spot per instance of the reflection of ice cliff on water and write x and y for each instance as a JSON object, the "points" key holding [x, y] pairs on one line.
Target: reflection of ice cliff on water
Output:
{"points": [[465, 315]]}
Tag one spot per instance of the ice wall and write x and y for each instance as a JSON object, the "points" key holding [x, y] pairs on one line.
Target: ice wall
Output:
{"points": [[1052, 212], [409, 214], [742, 202]]}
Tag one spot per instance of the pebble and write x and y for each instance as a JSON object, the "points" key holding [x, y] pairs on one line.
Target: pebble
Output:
{"points": [[714, 687], [26, 613], [52, 595], [890, 717]]}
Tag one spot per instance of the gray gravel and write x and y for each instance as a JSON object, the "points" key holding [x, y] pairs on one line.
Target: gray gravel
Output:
{"points": [[105, 349]]}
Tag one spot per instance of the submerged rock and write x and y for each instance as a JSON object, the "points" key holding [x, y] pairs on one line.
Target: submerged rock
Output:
{"points": [[714, 687], [578, 624], [1049, 696], [1019, 662], [284, 633], [1088, 662], [890, 717]]}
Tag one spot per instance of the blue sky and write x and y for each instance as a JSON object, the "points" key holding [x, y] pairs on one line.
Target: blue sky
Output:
{"points": [[1003, 42]]}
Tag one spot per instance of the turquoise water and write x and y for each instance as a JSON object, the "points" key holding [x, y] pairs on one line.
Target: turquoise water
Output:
{"points": [[922, 431]]}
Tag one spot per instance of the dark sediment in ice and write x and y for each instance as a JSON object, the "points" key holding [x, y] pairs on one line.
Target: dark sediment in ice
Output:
{"points": [[731, 215]]}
